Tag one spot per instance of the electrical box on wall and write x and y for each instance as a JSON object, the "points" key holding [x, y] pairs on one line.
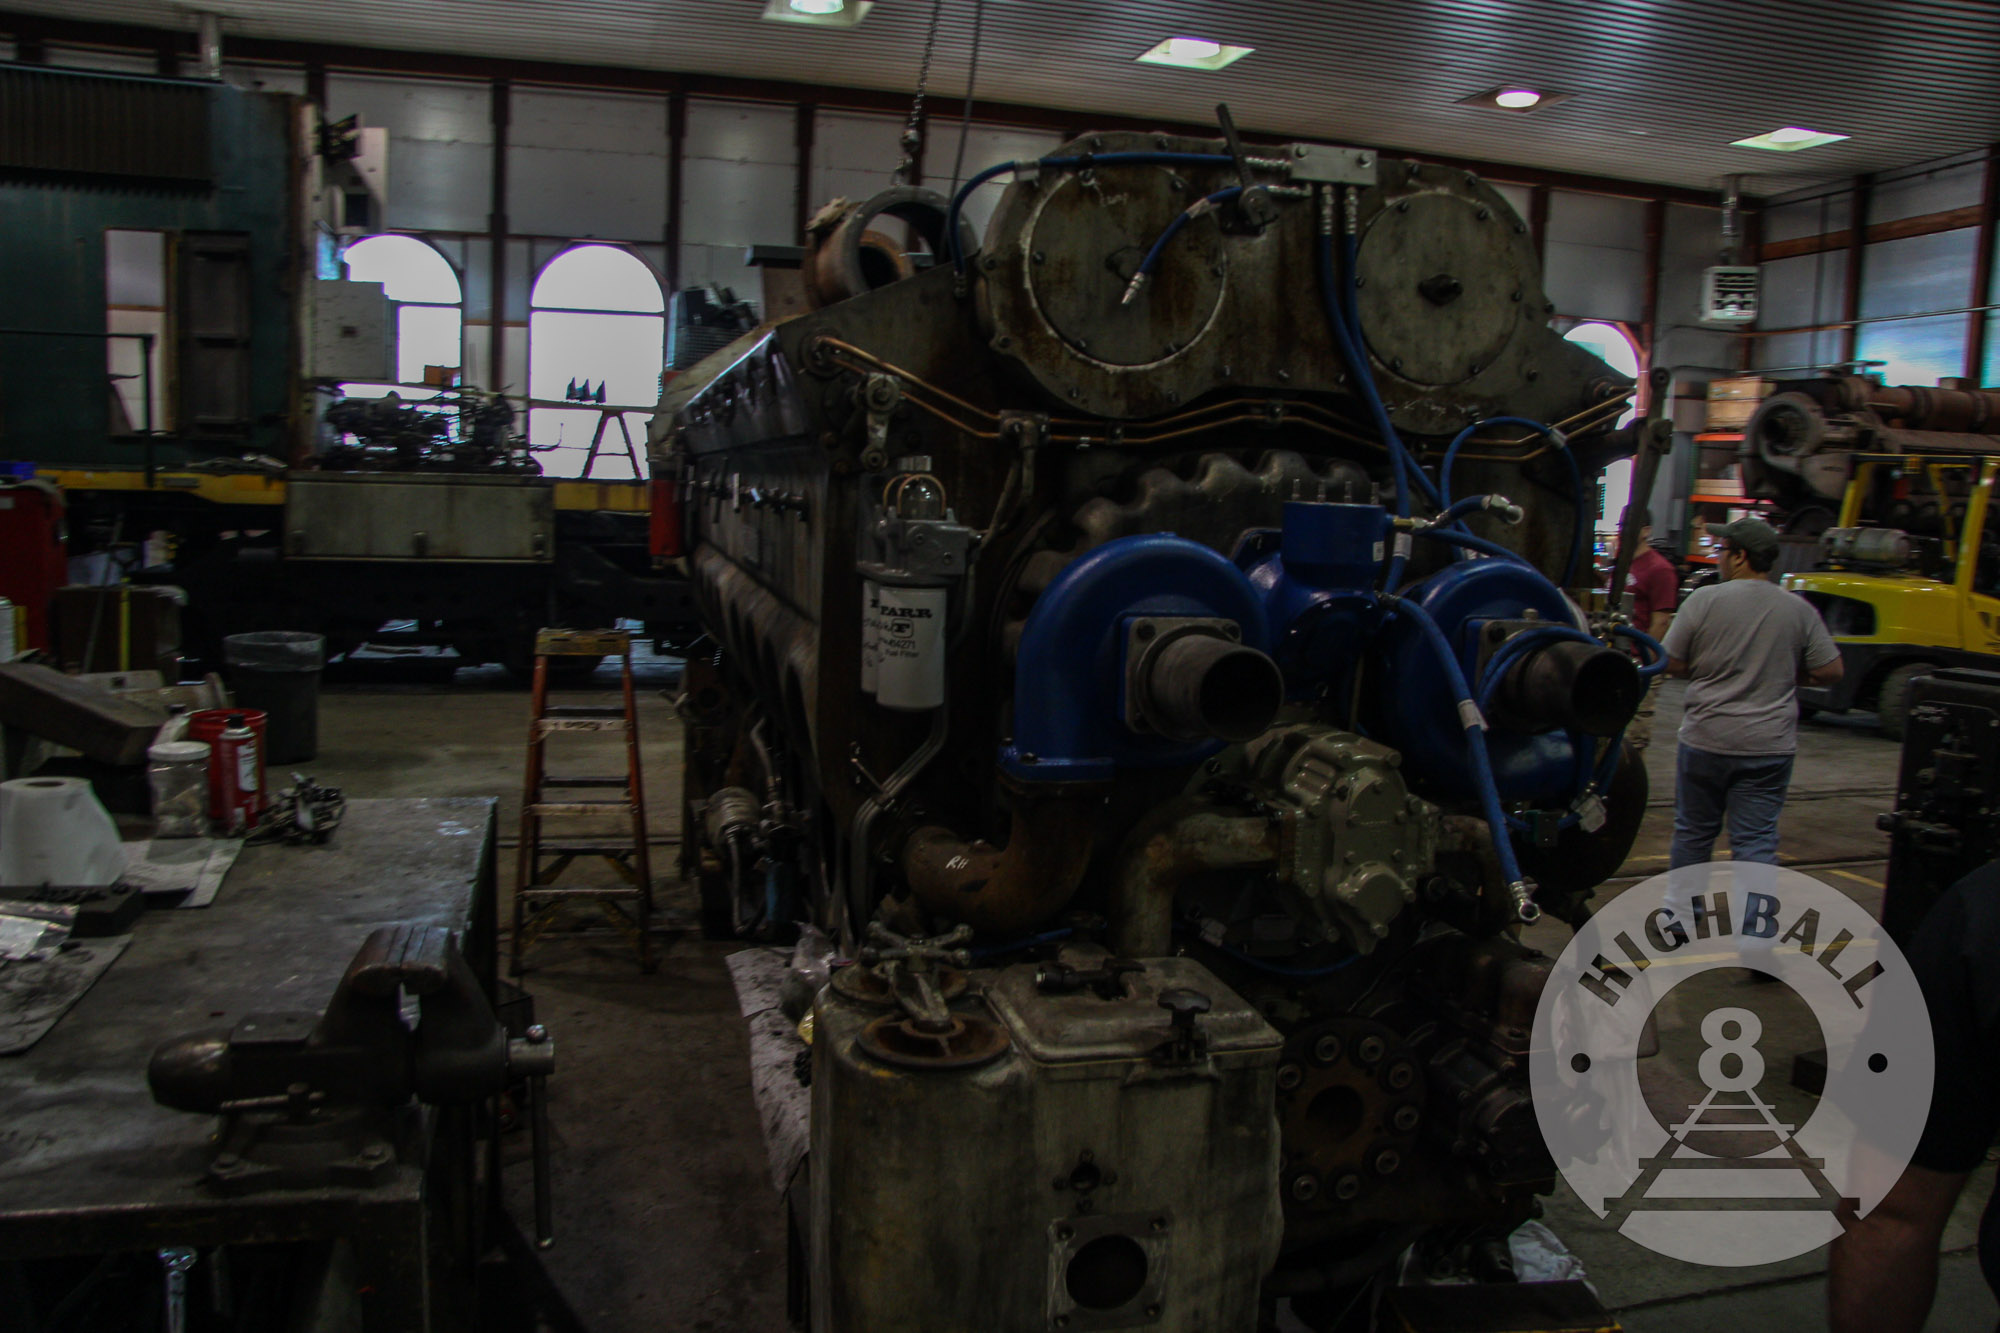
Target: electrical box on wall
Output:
{"points": [[354, 332], [1729, 294]]}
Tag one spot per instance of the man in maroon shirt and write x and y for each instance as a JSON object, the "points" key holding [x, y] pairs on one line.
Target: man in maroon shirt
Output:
{"points": [[1655, 588]]}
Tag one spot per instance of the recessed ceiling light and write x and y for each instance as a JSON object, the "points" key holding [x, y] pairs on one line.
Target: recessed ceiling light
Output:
{"points": [[1788, 140], [818, 13], [1194, 53], [1514, 97]]}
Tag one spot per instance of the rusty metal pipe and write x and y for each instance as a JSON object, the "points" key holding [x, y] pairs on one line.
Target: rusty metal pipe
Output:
{"points": [[1170, 846], [1007, 889]]}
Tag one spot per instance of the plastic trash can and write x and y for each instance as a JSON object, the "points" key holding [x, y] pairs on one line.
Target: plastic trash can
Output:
{"points": [[277, 673]]}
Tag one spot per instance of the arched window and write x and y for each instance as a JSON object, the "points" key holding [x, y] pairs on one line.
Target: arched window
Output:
{"points": [[1615, 348], [429, 318], [596, 318]]}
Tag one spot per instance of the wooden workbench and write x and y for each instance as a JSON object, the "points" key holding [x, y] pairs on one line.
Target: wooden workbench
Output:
{"points": [[90, 1163]]}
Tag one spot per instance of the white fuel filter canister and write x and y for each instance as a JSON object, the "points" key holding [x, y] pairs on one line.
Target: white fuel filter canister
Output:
{"points": [[910, 672]]}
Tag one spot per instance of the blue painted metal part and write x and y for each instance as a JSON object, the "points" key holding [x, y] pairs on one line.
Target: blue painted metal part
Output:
{"points": [[1415, 709], [1317, 577], [1069, 714]]}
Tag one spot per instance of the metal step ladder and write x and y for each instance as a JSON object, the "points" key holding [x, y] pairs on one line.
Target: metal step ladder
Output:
{"points": [[538, 898]]}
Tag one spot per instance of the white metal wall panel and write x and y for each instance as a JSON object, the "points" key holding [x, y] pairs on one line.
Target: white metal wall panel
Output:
{"points": [[1596, 263], [738, 187], [739, 178], [440, 146], [1691, 241], [1790, 351], [475, 276], [1918, 273], [1803, 290], [854, 156], [1519, 198], [587, 164], [1938, 191], [1808, 217]]}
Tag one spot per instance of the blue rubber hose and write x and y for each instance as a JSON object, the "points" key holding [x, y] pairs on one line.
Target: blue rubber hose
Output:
{"points": [[1577, 528], [1650, 644], [1351, 316], [1467, 542], [1181, 219], [1472, 504], [1475, 743]]}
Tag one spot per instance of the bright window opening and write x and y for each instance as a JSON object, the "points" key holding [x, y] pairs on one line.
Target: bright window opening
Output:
{"points": [[596, 327], [1615, 348], [429, 319], [135, 302]]}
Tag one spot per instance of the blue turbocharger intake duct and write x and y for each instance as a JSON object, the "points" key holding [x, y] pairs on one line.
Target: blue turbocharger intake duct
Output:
{"points": [[1152, 652], [1148, 652]]}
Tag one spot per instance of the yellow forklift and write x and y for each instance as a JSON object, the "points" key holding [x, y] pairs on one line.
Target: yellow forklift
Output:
{"points": [[1909, 581]]}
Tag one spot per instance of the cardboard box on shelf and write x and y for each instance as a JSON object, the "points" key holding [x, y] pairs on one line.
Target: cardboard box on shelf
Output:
{"points": [[1732, 402]]}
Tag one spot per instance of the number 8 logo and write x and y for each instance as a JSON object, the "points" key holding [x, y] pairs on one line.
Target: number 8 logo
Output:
{"points": [[1743, 1045]]}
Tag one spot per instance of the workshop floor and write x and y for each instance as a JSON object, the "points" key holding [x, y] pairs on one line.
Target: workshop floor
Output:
{"points": [[665, 1218]]}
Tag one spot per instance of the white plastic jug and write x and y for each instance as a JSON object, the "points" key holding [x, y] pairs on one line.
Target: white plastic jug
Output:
{"points": [[55, 831]]}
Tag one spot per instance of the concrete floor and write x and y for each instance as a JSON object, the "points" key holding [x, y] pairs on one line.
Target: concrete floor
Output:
{"points": [[664, 1213]]}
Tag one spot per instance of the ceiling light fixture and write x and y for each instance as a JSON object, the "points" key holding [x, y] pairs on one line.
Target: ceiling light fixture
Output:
{"points": [[1514, 97], [1790, 139], [1193, 53], [818, 13]]}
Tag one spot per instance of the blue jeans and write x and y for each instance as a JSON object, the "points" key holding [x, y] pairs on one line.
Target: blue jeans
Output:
{"points": [[1747, 789]]}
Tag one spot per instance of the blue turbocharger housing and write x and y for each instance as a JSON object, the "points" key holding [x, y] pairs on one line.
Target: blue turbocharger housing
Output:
{"points": [[1316, 576], [1415, 709], [1069, 708]]}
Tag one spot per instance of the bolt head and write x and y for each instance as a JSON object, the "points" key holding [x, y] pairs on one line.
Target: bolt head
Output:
{"points": [[1290, 1076], [1327, 1049], [1305, 1186], [1347, 1187]]}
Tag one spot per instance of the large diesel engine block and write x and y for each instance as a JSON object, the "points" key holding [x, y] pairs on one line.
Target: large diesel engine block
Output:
{"points": [[1153, 639]]}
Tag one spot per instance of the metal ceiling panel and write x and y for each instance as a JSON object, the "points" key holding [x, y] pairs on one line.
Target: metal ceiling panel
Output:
{"points": [[1659, 88]]}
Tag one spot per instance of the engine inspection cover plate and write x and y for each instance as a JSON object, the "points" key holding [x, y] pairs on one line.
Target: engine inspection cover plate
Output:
{"points": [[1089, 237], [1442, 290]]}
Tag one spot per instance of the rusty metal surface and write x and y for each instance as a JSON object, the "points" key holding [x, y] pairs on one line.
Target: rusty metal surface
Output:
{"points": [[1011, 887], [88, 1160]]}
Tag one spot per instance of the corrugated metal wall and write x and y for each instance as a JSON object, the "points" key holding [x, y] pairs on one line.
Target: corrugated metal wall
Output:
{"points": [[594, 165], [1901, 277]]}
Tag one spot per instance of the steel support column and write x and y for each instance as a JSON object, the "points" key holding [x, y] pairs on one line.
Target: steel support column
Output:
{"points": [[802, 143], [1649, 298], [496, 227], [1858, 197], [1977, 335], [670, 262]]}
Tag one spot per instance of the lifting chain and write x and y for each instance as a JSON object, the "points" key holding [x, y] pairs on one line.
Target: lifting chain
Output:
{"points": [[913, 133]]}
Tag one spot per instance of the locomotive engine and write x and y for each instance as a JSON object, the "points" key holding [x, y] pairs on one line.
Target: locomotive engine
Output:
{"points": [[1150, 637]]}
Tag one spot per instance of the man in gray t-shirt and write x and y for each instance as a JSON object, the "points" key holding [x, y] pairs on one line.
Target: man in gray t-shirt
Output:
{"points": [[1745, 645]]}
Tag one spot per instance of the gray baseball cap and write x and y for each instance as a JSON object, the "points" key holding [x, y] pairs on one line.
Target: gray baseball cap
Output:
{"points": [[1751, 535]]}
